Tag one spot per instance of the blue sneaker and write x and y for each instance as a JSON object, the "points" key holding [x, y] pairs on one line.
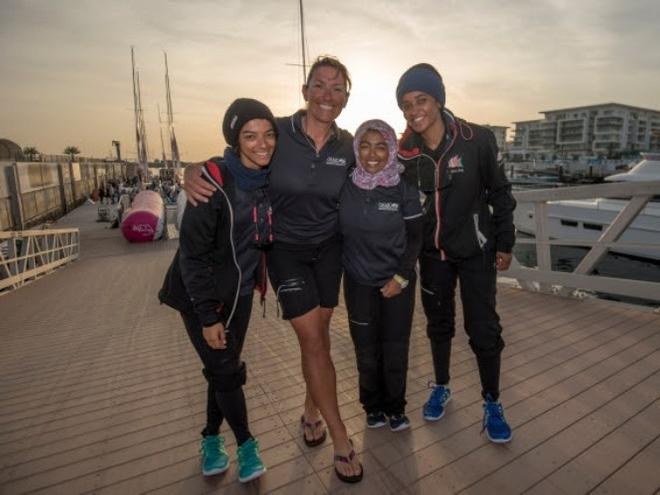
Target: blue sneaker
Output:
{"points": [[434, 408], [497, 429], [376, 419], [249, 463], [214, 456]]}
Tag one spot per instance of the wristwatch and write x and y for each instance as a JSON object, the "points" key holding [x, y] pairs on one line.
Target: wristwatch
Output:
{"points": [[401, 281]]}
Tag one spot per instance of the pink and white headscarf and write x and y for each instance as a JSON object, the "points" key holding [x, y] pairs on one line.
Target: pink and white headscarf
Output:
{"points": [[390, 175]]}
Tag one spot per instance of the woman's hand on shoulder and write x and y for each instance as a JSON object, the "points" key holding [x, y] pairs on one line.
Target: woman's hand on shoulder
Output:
{"points": [[197, 189]]}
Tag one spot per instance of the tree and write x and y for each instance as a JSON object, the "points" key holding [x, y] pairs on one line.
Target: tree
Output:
{"points": [[30, 152], [71, 151]]}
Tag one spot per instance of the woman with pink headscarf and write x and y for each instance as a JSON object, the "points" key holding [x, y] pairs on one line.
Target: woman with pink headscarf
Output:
{"points": [[381, 222]]}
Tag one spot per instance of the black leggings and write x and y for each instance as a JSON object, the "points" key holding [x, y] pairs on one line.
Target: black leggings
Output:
{"points": [[225, 372], [380, 328]]}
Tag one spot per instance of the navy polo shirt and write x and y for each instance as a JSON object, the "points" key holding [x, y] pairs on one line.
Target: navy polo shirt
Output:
{"points": [[373, 226], [305, 185]]}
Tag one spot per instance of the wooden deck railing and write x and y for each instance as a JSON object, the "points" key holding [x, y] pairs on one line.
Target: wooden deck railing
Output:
{"points": [[29, 254], [544, 279]]}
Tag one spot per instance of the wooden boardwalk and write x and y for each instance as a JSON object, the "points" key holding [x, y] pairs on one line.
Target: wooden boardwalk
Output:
{"points": [[100, 392]]}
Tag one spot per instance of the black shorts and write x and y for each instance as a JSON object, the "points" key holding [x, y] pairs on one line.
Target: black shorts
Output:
{"points": [[305, 275]]}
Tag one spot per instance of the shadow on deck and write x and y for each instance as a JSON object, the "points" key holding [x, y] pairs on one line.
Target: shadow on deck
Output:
{"points": [[100, 391]]}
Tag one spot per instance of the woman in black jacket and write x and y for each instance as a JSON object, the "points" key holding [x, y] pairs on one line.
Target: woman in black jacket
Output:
{"points": [[215, 271], [468, 235], [309, 169]]}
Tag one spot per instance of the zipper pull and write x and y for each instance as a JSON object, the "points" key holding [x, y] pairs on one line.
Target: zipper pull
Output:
{"points": [[256, 224], [270, 224]]}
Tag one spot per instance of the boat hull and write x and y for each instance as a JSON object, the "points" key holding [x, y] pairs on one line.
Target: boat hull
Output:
{"points": [[586, 220]]}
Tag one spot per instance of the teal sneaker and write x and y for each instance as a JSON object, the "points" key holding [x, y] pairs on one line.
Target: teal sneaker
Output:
{"points": [[214, 456], [249, 463]]}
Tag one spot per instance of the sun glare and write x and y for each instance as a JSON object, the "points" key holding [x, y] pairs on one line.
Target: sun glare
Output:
{"points": [[372, 96]]}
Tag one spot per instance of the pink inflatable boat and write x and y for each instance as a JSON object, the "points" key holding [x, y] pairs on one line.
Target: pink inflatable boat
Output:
{"points": [[143, 221]]}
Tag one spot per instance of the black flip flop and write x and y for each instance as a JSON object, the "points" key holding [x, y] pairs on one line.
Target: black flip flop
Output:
{"points": [[314, 425], [348, 460]]}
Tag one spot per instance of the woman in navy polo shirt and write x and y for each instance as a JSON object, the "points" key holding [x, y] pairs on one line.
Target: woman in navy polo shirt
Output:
{"points": [[381, 222]]}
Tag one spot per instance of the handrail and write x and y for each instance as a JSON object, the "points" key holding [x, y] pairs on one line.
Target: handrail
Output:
{"points": [[29, 254], [544, 279]]}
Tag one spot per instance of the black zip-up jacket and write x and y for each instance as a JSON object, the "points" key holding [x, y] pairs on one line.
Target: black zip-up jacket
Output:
{"points": [[205, 276], [460, 188]]}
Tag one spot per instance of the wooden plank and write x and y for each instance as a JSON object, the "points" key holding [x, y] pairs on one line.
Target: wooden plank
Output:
{"points": [[640, 475], [537, 395], [527, 468], [593, 466], [467, 458], [110, 399]]}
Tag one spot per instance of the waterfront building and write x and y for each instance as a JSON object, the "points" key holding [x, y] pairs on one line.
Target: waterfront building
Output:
{"points": [[500, 135], [604, 130]]}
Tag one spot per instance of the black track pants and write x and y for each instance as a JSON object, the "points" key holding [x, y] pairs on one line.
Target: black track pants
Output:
{"points": [[477, 277], [380, 328]]}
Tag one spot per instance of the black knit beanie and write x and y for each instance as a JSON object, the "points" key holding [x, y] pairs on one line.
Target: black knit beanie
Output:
{"points": [[421, 77], [240, 112]]}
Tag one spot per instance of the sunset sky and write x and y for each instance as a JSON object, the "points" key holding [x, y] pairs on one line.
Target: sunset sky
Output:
{"points": [[66, 74]]}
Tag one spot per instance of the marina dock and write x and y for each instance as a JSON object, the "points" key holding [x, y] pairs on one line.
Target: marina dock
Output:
{"points": [[101, 392]]}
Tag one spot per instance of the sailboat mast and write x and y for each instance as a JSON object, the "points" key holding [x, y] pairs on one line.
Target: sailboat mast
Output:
{"points": [[160, 129], [144, 156], [135, 105], [176, 160], [302, 41], [140, 128]]}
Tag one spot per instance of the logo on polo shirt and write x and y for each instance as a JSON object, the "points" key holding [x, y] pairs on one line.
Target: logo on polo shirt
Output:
{"points": [[385, 206], [336, 162], [455, 165]]}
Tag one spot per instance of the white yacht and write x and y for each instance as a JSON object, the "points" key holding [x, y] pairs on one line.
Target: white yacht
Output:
{"points": [[586, 219]]}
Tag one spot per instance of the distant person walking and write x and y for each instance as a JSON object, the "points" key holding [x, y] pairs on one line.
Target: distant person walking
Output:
{"points": [[468, 235], [214, 273]]}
